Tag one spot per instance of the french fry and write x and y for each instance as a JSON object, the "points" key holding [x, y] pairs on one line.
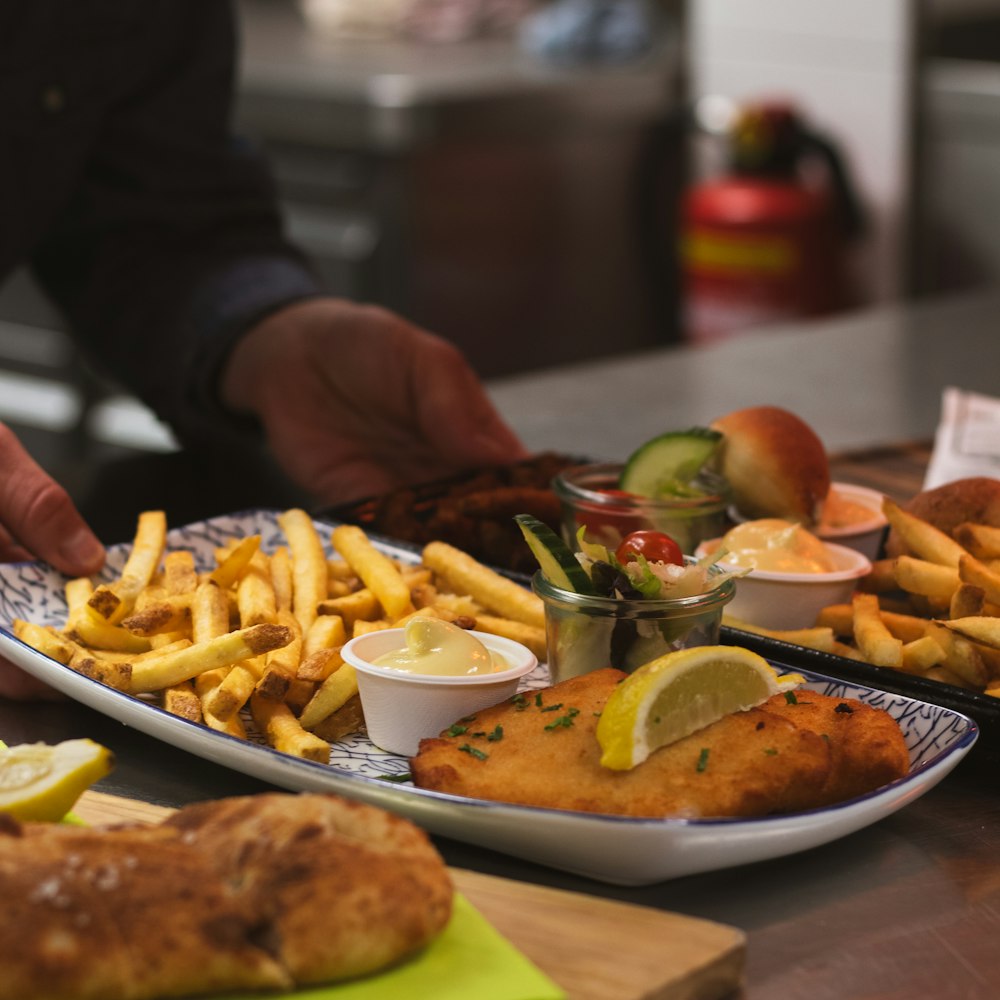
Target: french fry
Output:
{"points": [[209, 612], [922, 654], [281, 667], [933, 580], [971, 570], [327, 632], [182, 700], [982, 629], [319, 665], [45, 640], [285, 732], [980, 540], [494, 592], [179, 573], [378, 572], [362, 605], [113, 602], [234, 565], [922, 538], [308, 565], [840, 617], [281, 578], [173, 668], [527, 635], [117, 674], [255, 597], [349, 718], [331, 695], [100, 635], [875, 642], [204, 685], [819, 637], [233, 693], [967, 600], [961, 657], [77, 592], [881, 579], [171, 614]]}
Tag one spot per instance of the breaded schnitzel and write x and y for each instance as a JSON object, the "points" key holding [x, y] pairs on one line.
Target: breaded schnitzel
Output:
{"points": [[540, 749], [867, 746]]}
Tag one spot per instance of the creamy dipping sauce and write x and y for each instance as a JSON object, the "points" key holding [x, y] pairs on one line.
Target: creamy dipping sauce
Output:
{"points": [[437, 647], [840, 512], [775, 545]]}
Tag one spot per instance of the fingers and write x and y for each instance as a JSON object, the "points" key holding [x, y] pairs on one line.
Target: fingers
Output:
{"points": [[355, 400], [16, 685], [453, 411], [38, 517]]}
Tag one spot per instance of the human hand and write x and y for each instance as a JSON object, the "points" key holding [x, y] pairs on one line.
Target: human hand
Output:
{"points": [[355, 400], [38, 521]]}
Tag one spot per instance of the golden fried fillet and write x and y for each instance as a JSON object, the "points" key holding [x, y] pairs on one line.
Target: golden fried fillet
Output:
{"points": [[541, 750], [866, 744], [254, 893], [343, 888]]}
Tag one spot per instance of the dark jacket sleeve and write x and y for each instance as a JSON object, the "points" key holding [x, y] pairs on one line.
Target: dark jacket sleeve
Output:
{"points": [[170, 245]]}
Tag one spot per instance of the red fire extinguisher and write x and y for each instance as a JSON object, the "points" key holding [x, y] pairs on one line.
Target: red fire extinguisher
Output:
{"points": [[768, 240]]}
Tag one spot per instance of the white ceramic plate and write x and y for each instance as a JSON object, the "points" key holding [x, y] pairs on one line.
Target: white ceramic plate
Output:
{"points": [[608, 848]]}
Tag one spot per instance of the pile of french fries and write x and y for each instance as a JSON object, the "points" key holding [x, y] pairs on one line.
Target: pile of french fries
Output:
{"points": [[933, 612], [252, 644]]}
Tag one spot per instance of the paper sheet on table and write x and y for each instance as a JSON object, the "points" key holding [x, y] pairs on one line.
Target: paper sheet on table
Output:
{"points": [[967, 441], [468, 959]]}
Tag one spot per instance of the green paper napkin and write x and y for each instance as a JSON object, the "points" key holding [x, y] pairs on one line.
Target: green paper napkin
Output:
{"points": [[468, 959]]}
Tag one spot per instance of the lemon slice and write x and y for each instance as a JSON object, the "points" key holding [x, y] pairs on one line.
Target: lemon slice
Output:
{"points": [[679, 693], [42, 782]]}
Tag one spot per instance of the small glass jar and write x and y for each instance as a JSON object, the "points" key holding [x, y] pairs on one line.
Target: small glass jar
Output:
{"points": [[584, 633], [609, 516]]}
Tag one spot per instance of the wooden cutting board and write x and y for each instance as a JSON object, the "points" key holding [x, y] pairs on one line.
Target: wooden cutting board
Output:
{"points": [[595, 949]]}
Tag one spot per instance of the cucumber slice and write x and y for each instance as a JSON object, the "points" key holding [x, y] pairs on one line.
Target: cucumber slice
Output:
{"points": [[555, 559], [666, 466]]}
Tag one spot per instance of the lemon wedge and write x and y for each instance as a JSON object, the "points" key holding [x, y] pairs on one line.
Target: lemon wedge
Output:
{"points": [[679, 693], [39, 781]]}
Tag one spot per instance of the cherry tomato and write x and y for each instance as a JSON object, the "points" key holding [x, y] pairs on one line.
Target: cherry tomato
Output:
{"points": [[654, 545]]}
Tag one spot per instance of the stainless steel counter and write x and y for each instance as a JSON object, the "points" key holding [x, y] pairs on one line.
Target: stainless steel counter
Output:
{"points": [[859, 380]]}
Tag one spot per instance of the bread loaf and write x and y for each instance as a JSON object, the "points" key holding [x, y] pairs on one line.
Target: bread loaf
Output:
{"points": [[775, 464], [263, 892]]}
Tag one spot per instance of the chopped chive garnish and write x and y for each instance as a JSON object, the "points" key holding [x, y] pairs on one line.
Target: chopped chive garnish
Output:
{"points": [[771, 752], [497, 734], [790, 698], [456, 730], [702, 760], [396, 777], [473, 751]]}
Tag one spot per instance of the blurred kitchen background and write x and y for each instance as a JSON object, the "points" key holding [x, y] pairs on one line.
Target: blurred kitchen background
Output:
{"points": [[513, 174]]}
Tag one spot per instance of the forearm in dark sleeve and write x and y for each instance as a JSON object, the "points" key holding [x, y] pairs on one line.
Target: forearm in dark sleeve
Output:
{"points": [[172, 244]]}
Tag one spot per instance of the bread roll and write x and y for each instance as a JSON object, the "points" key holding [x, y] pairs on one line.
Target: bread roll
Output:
{"points": [[775, 464], [976, 499], [262, 892]]}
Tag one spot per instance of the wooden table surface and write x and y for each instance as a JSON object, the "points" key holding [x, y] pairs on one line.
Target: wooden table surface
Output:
{"points": [[909, 907]]}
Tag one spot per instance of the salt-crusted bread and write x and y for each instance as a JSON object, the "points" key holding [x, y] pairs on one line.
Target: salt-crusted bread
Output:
{"points": [[262, 892], [775, 464]]}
